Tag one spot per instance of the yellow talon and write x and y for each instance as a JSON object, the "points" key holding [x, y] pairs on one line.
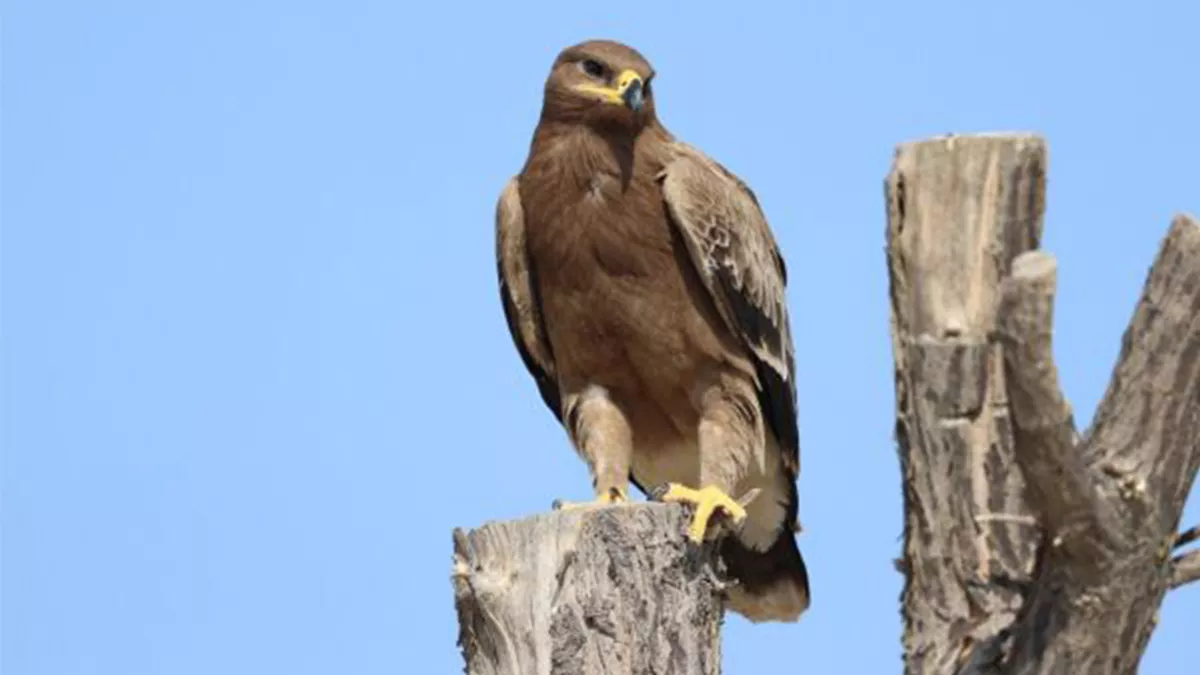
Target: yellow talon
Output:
{"points": [[604, 498], [707, 500], [613, 496]]}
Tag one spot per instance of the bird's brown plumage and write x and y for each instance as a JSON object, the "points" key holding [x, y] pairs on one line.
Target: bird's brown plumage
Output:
{"points": [[645, 294]]}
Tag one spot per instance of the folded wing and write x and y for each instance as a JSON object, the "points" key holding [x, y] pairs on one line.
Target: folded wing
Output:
{"points": [[518, 293], [733, 250]]}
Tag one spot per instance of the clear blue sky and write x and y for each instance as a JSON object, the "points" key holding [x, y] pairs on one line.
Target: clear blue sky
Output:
{"points": [[255, 367]]}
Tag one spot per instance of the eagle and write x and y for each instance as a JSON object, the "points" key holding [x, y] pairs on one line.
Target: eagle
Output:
{"points": [[644, 292]]}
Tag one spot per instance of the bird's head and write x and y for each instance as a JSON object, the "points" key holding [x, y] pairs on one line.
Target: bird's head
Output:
{"points": [[601, 83]]}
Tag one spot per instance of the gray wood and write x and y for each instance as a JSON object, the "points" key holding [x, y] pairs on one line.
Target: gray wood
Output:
{"points": [[959, 210], [1185, 569], [1054, 557], [1110, 504], [604, 591]]}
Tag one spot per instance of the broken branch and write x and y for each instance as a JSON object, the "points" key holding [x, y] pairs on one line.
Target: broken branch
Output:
{"points": [[1187, 536], [1140, 459], [1058, 484], [1185, 569]]}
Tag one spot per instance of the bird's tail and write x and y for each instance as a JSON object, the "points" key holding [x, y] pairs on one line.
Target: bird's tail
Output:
{"points": [[770, 585]]}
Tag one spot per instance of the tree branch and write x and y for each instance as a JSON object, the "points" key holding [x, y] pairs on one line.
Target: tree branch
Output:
{"points": [[1188, 536], [1099, 584], [1059, 483], [587, 592], [1145, 429], [1185, 569]]}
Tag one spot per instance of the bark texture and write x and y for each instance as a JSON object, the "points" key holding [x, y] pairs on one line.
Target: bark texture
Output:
{"points": [[959, 211], [1028, 547], [607, 591]]}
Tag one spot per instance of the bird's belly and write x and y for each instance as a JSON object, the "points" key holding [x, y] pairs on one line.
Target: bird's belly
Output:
{"points": [[624, 310], [625, 329], [643, 340]]}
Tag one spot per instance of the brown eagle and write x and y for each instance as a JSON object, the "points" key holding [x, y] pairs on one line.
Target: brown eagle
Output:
{"points": [[645, 294]]}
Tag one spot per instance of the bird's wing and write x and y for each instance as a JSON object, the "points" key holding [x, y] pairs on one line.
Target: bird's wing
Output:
{"points": [[518, 293], [735, 253]]}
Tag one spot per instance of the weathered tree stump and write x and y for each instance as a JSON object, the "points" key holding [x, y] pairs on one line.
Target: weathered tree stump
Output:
{"points": [[607, 591], [1028, 547]]}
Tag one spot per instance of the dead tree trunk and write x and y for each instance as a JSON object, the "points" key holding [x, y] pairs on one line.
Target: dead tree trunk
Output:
{"points": [[609, 591], [1029, 548]]}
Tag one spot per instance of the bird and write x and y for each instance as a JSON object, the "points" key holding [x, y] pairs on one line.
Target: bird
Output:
{"points": [[645, 294]]}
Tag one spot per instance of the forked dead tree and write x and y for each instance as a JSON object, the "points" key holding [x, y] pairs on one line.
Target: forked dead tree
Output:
{"points": [[1028, 547]]}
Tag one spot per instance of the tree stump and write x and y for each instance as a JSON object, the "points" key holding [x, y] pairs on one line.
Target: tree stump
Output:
{"points": [[616, 590], [1029, 548]]}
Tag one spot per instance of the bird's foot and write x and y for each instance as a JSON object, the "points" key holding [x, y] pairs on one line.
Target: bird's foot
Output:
{"points": [[707, 501], [607, 497]]}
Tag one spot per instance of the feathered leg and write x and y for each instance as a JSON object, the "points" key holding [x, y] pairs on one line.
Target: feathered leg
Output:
{"points": [[601, 435], [731, 445]]}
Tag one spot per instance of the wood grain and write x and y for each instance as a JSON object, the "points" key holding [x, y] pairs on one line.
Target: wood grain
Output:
{"points": [[611, 591]]}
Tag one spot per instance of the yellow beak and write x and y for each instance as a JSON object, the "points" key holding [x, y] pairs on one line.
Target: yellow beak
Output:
{"points": [[628, 91]]}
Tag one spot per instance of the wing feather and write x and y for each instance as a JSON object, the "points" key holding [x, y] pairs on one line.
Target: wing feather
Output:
{"points": [[733, 249], [518, 293]]}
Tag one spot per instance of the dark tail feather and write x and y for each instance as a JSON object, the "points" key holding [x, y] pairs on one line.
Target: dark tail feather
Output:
{"points": [[770, 585]]}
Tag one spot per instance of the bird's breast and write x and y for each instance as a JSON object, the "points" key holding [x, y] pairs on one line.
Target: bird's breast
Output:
{"points": [[618, 305], [600, 231]]}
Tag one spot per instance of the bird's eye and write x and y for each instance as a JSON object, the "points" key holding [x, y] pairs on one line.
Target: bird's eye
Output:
{"points": [[592, 68]]}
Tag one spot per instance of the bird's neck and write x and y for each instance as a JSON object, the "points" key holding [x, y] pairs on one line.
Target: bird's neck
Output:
{"points": [[577, 152]]}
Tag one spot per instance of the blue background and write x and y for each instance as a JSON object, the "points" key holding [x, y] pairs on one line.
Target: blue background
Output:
{"points": [[255, 367]]}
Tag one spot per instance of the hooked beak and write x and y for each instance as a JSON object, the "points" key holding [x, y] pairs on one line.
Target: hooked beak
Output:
{"points": [[629, 87], [629, 92]]}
